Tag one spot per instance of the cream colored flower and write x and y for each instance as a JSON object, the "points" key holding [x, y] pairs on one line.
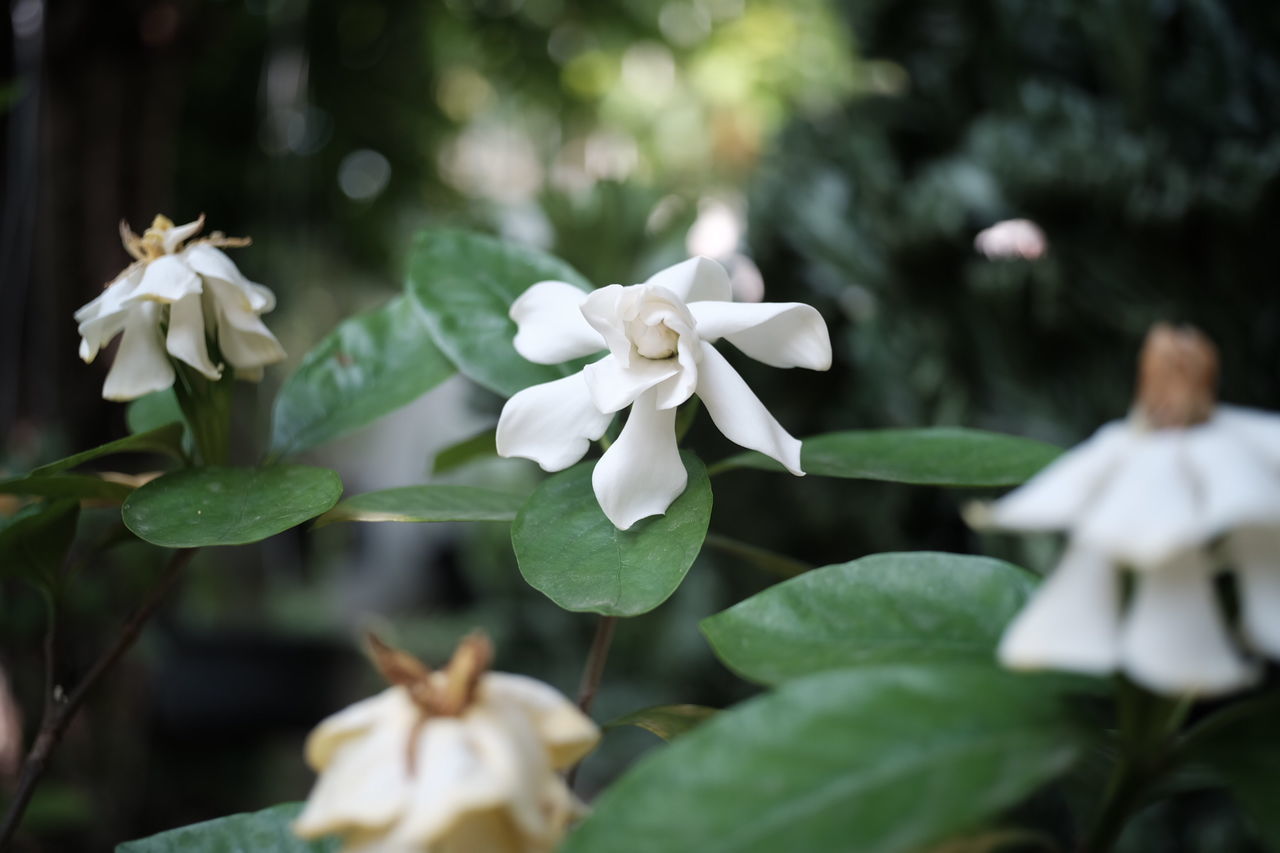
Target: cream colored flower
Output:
{"points": [[1167, 496], [172, 302], [454, 761]]}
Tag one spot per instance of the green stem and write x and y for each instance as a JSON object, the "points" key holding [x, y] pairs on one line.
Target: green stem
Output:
{"points": [[763, 558], [206, 404]]}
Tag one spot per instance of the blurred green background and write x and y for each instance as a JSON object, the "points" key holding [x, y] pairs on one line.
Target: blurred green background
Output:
{"points": [[843, 153]]}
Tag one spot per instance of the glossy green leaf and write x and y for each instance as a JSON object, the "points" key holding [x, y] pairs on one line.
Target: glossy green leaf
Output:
{"points": [[480, 446], [878, 760], [666, 721], [915, 606], [1241, 750], [427, 503], [372, 364], [228, 506], [166, 439], [465, 284], [569, 551], [938, 456], [77, 486], [34, 545], [266, 831]]}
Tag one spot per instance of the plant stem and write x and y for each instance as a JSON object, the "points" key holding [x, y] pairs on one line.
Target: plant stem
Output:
{"points": [[60, 708], [763, 558], [592, 673], [206, 404]]}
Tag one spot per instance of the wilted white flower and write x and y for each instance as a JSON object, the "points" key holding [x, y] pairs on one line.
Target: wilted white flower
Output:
{"points": [[454, 761], [659, 337], [1152, 495], [1012, 238], [172, 301]]}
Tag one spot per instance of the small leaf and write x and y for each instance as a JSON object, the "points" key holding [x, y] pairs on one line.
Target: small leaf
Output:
{"points": [[479, 446], [879, 759], [916, 606], [228, 506], [937, 456], [570, 552], [1242, 755], [666, 721], [154, 410], [426, 503], [465, 284], [369, 366], [34, 545], [166, 439], [77, 486], [267, 831]]}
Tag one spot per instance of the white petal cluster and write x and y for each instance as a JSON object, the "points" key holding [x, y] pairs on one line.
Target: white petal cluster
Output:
{"points": [[396, 780], [169, 304], [659, 337], [1169, 508]]}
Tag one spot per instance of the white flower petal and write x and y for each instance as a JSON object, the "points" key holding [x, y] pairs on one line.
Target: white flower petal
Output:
{"points": [[550, 325], [1174, 640], [104, 317], [186, 341], [141, 365], [1147, 509], [245, 341], [567, 733], [738, 413], [780, 334], [1073, 621], [553, 423], [695, 280], [178, 234], [166, 279], [608, 310], [1235, 486], [1255, 555], [1260, 430], [212, 262], [1055, 498], [614, 387], [641, 473]]}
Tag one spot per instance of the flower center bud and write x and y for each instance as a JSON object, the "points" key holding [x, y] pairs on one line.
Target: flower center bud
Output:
{"points": [[1177, 377], [655, 342], [152, 241]]}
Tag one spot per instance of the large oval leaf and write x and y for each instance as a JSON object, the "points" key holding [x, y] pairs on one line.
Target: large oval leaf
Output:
{"points": [[465, 284], [266, 831], [1240, 750], [427, 503], [369, 366], [228, 506], [569, 551], [918, 606], [937, 456]]}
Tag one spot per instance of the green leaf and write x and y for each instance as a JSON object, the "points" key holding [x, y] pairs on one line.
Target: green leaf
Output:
{"points": [[465, 284], [77, 486], [480, 446], [154, 410], [878, 760], [886, 608], [426, 503], [938, 456], [165, 439], [666, 721], [1240, 749], [228, 506], [266, 831], [34, 545], [570, 552], [372, 364]]}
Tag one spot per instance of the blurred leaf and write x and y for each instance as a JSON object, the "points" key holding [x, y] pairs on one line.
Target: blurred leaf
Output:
{"points": [[372, 364], [480, 446], [666, 721], [465, 284], [77, 486], [165, 439], [937, 456], [877, 759], [426, 503], [228, 506], [267, 831], [570, 552], [886, 608], [33, 546], [154, 410]]}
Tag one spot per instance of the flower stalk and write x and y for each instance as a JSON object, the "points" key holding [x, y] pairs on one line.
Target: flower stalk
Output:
{"points": [[206, 405]]}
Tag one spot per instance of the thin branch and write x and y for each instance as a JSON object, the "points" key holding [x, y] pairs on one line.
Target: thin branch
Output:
{"points": [[593, 672], [762, 558]]}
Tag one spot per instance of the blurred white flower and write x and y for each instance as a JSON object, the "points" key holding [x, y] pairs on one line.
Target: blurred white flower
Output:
{"points": [[170, 300], [659, 337], [1153, 494], [1012, 238], [455, 761]]}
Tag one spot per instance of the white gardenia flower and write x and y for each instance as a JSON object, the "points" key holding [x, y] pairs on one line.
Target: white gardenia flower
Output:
{"points": [[1167, 495], [171, 302], [659, 335], [453, 761]]}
